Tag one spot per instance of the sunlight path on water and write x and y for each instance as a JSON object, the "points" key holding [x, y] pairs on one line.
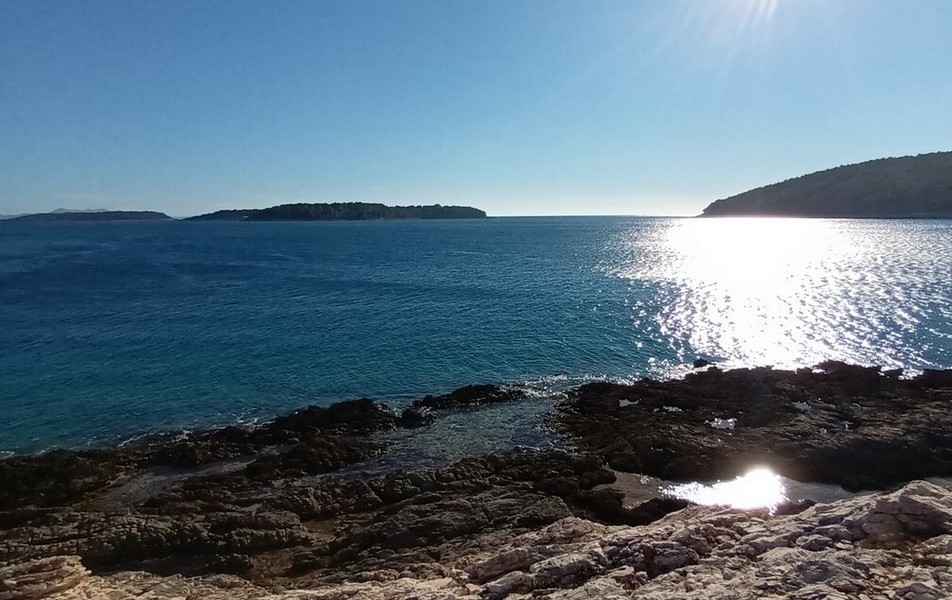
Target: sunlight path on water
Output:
{"points": [[795, 292]]}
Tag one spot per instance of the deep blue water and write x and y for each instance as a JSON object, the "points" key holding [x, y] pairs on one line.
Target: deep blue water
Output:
{"points": [[111, 330]]}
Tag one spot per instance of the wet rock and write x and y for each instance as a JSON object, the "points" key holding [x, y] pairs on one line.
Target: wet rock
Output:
{"points": [[842, 424], [932, 378], [652, 510], [471, 395], [321, 439], [318, 455], [416, 417], [793, 507], [57, 477], [204, 447], [355, 417]]}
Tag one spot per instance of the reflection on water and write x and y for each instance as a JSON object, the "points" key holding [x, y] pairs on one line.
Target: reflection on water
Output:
{"points": [[758, 488], [755, 490], [250, 322], [794, 292]]}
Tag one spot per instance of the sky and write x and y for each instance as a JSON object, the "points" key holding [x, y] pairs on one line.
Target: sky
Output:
{"points": [[518, 107]]}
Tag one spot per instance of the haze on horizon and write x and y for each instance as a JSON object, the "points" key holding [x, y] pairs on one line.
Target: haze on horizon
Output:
{"points": [[524, 107]]}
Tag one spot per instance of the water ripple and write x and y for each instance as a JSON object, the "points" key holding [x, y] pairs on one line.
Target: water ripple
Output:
{"points": [[108, 331], [790, 292]]}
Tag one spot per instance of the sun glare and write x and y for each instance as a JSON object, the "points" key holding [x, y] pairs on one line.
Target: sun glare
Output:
{"points": [[745, 15], [758, 488], [733, 26], [757, 10], [743, 295]]}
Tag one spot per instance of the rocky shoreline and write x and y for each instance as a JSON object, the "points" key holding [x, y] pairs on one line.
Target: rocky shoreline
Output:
{"points": [[848, 425], [265, 511]]}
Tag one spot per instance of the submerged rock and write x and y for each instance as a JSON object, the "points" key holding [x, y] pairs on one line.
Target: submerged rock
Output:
{"points": [[471, 395]]}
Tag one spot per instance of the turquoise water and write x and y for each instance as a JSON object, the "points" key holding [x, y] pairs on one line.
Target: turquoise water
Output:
{"points": [[114, 330]]}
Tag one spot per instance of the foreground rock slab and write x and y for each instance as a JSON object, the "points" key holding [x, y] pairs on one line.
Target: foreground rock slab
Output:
{"points": [[891, 545]]}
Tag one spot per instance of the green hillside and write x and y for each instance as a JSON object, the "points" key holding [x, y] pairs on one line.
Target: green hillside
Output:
{"points": [[907, 187]]}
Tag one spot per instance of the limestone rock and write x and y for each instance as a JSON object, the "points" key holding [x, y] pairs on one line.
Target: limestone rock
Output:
{"points": [[40, 578], [695, 554]]}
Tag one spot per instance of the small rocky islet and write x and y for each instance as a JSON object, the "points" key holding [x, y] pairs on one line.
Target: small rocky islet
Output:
{"points": [[274, 511]]}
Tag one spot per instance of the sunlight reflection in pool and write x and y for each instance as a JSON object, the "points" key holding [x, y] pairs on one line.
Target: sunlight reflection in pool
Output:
{"points": [[758, 488]]}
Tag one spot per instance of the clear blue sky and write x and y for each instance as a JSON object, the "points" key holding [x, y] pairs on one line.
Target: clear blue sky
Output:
{"points": [[516, 107]]}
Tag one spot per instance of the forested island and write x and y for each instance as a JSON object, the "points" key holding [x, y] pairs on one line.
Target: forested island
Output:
{"points": [[343, 211], [912, 187], [337, 211], [97, 215]]}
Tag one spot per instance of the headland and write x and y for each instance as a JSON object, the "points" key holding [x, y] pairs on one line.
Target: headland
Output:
{"points": [[908, 187]]}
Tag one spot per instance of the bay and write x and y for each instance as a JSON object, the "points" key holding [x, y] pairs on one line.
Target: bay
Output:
{"points": [[114, 330]]}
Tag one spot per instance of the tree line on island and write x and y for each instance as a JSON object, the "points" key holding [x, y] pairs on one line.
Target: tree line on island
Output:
{"points": [[337, 211], [95, 215], [909, 187], [343, 211]]}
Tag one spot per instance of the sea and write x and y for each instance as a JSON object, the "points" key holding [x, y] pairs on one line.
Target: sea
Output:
{"points": [[115, 332]]}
